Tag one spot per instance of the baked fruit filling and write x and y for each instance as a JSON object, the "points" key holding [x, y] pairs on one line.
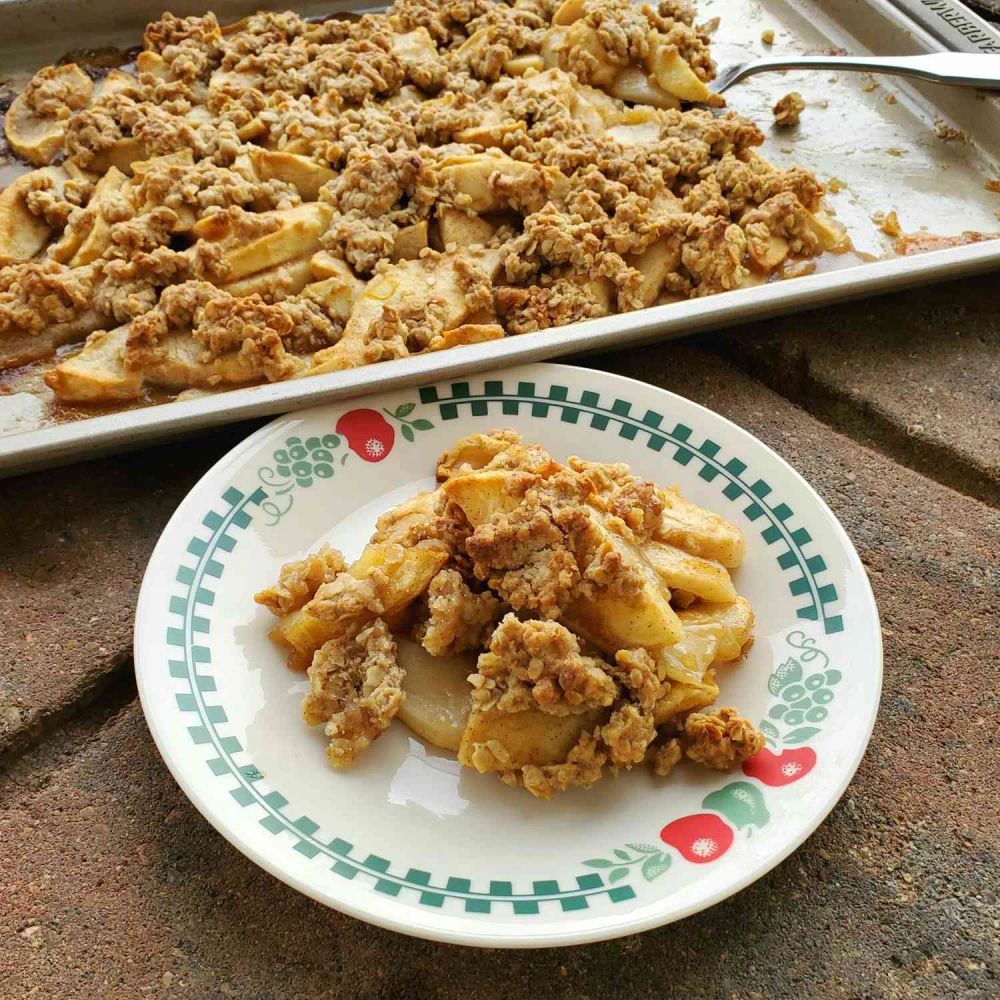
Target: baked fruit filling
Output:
{"points": [[280, 197], [548, 623]]}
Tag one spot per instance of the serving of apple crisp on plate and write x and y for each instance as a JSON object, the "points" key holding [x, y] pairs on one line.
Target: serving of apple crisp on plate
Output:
{"points": [[282, 197], [565, 698], [548, 619]]}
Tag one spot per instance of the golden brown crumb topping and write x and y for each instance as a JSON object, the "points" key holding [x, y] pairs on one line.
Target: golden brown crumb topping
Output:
{"points": [[625, 677], [720, 739], [663, 757], [584, 765], [457, 618], [539, 664], [788, 108], [354, 690], [560, 542], [347, 598], [299, 581], [35, 295], [526, 558], [551, 133], [57, 91], [554, 302], [627, 734]]}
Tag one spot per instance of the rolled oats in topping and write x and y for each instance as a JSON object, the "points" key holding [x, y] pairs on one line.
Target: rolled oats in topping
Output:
{"points": [[501, 111], [551, 704]]}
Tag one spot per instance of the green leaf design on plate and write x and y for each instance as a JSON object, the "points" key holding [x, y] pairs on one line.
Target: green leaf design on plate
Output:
{"points": [[405, 410], [598, 863], [618, 873], [768, 730], [789, 672], [644, 848], [407, 432], [740, 802], [801, 735], [833, 676], [423, 425], [624, 855], [655, 865]]}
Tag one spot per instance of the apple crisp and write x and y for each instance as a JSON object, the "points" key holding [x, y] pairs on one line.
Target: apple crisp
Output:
{"points": [[281, 197], [550, 623]]}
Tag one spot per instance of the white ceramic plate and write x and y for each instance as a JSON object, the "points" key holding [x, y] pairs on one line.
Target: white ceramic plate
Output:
{"points": [[407, 838]]}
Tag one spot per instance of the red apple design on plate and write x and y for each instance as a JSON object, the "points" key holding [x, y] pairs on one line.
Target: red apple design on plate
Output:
{"points": [[782, 768], [700, 838], [368, 434]]}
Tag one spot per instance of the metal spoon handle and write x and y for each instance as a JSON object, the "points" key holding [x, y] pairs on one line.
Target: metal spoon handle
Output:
{"points": [[959, 68]]}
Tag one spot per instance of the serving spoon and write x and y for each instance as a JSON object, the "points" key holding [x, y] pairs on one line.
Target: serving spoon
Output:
{"points": [[959, 69]]}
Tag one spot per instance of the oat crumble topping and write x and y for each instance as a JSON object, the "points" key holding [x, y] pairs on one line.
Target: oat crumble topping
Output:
{"points": [[539, 163], [720, 739], [584, 654], [788, 108]]}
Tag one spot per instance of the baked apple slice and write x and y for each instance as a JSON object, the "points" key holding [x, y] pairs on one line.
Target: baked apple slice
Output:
{"points": [[508, 741], [438, 695], [35, 123]]}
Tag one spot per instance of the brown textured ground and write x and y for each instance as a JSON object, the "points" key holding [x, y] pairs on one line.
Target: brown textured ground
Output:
{"points": [[113, 886], [925, 388], [988, 8], [73, 547]]}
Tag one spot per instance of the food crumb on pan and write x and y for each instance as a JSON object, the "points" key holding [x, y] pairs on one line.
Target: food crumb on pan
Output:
{"points": [[787, 109], [888, 222], [799, 269], [893, 151], [767, 36], [890, 98], [870, 84], [993, 185], [835, 184], [948, 132], [923, 242], [710, 27]]}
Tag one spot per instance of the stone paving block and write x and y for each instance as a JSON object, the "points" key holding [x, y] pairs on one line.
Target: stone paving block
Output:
{"points": [[74, 543], [916, 373], [114, 886], [988, 8]]}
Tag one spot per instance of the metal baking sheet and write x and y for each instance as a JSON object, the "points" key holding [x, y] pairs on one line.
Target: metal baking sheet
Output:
{"points": [[878, 138]]}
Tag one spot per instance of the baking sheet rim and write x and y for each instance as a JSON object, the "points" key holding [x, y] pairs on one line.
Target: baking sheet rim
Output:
{"points": [[22, 451], [79, 439]]}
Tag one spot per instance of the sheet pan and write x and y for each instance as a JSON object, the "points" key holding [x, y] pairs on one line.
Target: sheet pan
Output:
{"points": [[879, 139]]}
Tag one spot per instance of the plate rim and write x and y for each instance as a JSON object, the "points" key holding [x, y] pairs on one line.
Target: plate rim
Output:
{"points": [[470, 933]]}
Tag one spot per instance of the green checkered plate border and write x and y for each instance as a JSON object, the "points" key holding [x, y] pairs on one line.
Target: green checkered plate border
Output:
{"points": [[270, 495]]}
